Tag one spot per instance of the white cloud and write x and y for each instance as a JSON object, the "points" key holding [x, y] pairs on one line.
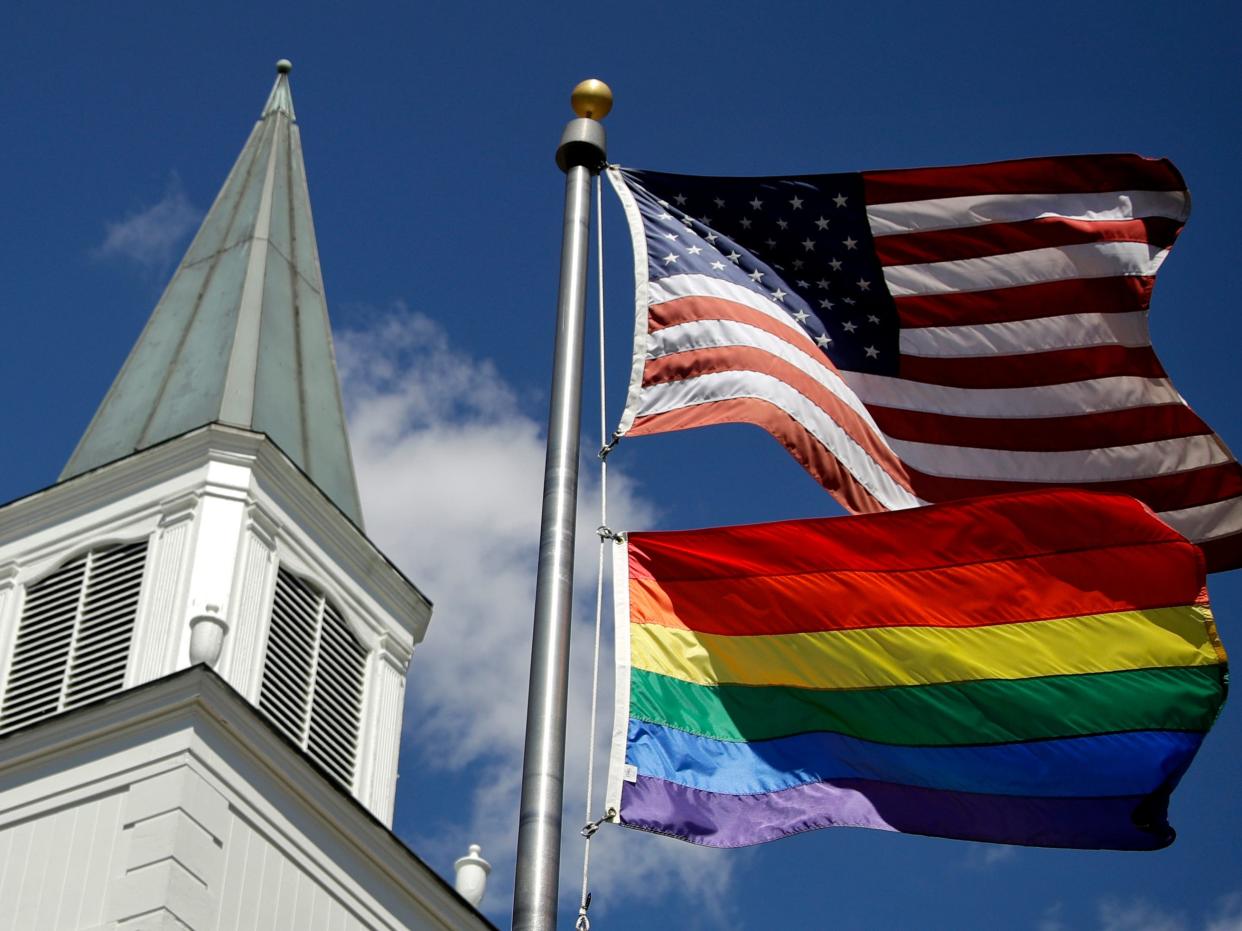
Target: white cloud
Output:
{"points": [[986, 856], [1143, 915], [1137, 915], [1228, 915], [1051, 919], [451, 470], [150, 236]]}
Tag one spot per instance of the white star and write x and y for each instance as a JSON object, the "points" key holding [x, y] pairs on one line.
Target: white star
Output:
{"points": [[822, 223], [662, 203], [681, 200], [848, 300], [850, 242], [802, 316], [864, 284], [872, 318], [665, 216], [706, 221], [836, 265], [694, 250], [849, 326], [839, 200], [778, 295], [822, 340], [769, 242], [798, 263], [718, 265], [872, 352], [719, 203], [756, 275], [803, 284], [670, 258], [711, 237], [745, 223], [733, 257], [783, 224], [796, 203], [808, 244], [826, 304], [756, 204], [822, 283], [688, 221], [672, 236]]}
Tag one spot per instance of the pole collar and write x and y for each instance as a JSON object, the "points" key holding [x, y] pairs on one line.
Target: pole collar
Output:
{"points": [[582, 144]]}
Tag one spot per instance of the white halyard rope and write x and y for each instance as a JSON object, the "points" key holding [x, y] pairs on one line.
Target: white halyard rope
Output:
{"points": [[606, 536]]}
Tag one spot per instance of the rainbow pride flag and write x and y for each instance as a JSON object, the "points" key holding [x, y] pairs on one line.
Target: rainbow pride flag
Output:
{"points": [[1025, 669]]}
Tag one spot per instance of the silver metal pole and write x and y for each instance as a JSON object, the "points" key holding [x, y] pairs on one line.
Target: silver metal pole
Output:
{"points": [[580, 154]]}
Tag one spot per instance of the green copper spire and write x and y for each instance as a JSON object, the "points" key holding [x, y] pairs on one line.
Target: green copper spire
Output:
{"points": [[241, 334]]}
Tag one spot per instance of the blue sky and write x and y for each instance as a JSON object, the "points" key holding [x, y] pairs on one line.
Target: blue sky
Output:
{"points": [[429, 132]]}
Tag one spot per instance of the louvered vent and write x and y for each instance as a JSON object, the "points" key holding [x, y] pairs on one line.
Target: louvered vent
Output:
{"points": [[74, 636], [313, 676]]}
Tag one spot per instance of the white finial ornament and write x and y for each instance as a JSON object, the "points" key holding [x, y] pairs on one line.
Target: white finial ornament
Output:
{"points": [[472, 872], [207, 632], [280, 100]]}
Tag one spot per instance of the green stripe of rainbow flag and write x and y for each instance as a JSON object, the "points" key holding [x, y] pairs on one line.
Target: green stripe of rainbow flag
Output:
{"points": [[983, 712]]}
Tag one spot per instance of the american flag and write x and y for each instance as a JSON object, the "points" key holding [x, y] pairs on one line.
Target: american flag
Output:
{"points": [[923, 335]]}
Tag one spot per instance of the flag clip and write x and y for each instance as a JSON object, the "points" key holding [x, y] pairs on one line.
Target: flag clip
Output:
{"points": [[583, 923]]}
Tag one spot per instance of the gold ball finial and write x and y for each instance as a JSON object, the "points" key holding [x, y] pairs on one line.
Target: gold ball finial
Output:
{"points": [[591, 99]]}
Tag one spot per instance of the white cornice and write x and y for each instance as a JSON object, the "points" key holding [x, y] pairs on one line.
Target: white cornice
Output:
{"points": [[285, 789], [178, 509], [219, 460]]}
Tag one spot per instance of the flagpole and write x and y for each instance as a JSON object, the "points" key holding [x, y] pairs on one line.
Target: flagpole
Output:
{"points": [[580, 155]]}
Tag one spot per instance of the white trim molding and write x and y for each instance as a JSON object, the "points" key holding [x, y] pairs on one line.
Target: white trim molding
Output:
{"points": [[223, 509]]}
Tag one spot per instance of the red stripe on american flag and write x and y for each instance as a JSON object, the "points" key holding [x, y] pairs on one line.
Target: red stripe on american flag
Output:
{"points": [[694, 309], [810, 453], [999, 238], [1032, 369], [1123, 294], [683, 365], [1223, 553], [1057, 175], [1050, 434]]}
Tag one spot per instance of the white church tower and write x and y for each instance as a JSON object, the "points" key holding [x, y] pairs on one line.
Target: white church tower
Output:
{"points": [[202, 656]]}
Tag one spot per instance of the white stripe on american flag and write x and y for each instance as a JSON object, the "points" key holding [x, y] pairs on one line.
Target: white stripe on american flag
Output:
{"points": [[1071, 399], [981, 209], [1207, 521], [720, 386], [1016, 337], [1058, 263], [666, 289], [715, 334], [1079, 466]]}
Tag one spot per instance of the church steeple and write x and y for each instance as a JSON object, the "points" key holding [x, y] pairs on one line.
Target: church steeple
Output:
{"points": [[241, 334], [202, 656], [210, 514]]}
